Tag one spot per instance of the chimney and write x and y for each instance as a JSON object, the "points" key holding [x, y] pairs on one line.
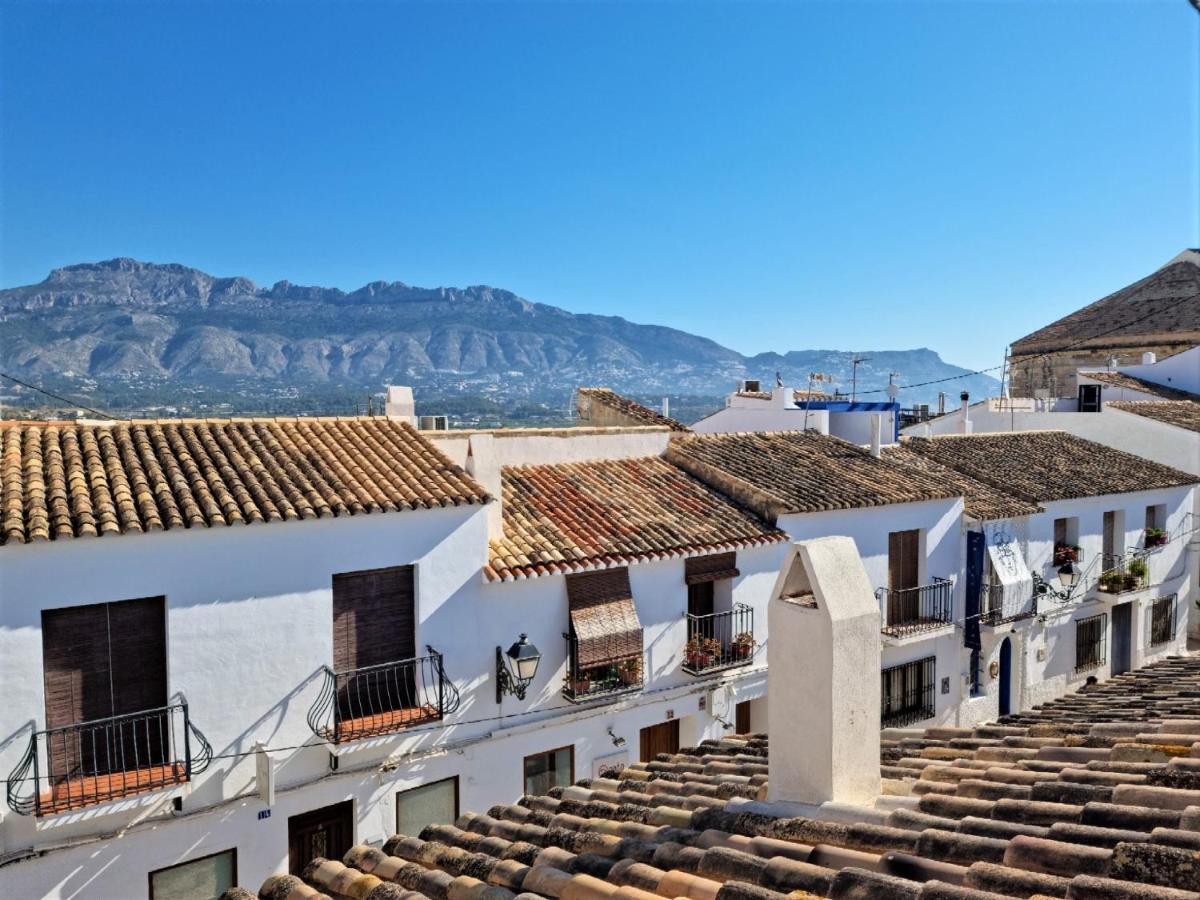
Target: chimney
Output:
{"points": [[941, 403], [964, 427], [781, 397], [1148, 358], [484, 467], [400, 404], [876, 435], [666, 407], [824, 651]]}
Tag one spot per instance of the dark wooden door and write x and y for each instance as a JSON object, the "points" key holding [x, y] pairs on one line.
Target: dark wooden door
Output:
{"points": [[1122, 637], [741, 719], [1005, 699], [325, 833], [1089, 398], [904, 565], [374, 624], [700, 604], [661, 738], [104, 660]]}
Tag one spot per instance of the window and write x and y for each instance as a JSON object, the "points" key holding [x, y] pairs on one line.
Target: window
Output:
{"points": [[205, 878], [1162, 621], [554, 768], [904, 559], [907, 693], [1114, 538], [1090, 642], [976, 673], [1156, 516], [326, 833], [1066, 540], [428, 804]]}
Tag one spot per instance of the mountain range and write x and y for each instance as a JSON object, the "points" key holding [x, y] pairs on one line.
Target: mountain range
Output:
{"points": [[123, 321]]}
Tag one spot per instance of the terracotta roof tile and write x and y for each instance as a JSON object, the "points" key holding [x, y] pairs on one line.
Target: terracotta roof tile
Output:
{"points": [[629, 409], [1047, 465], [981, 501], [1122, 380], [798, 472], [60, 480], [575, 516], [1180, 413]]}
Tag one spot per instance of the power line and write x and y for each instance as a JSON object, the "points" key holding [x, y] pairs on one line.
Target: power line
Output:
{"points": [[33, 387]]}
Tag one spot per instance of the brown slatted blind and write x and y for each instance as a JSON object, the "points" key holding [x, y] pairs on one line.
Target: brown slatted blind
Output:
{"points": [[138, 642], [374, 618], [714, 567], [603, 617], [904, 549], [661, 738], [75, 661]]}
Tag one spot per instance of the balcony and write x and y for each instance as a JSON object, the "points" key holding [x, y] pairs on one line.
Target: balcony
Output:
{"points": [[914, 611], [995, 610], [376, 700], [605, 674], [73, 766], [719, 640], [1121, 574]]}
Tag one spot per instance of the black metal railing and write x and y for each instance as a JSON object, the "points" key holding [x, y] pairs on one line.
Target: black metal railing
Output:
{"points": [[1091, 642], [996, 609], [907, 693], [1119, 574], [617, 675], [382, 699], [917, 609], [72, 766], [719, 640], [1162, 621]]}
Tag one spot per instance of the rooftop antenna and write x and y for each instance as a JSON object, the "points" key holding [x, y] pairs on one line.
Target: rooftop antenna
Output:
{"points": [[854, 364], [893, 389]]}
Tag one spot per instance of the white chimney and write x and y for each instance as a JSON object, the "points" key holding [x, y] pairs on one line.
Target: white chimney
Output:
{"points": [[400, 404], [822, 660], [1148, 358], [781, 398], [666, 407], [484, 467], [964, 427], [876, 435]]}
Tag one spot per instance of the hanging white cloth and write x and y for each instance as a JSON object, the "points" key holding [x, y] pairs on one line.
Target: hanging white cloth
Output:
{"points": [[1008, 562]]}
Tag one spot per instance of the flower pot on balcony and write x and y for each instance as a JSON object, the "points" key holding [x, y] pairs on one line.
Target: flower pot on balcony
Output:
{"points": [[1156, 537], [581, 686], [743, 645], [698, 659], [1065, 553], [630, 671]]}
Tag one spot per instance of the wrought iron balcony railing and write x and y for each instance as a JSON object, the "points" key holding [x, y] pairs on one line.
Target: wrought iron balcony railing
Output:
{"points": [[918, 609], [72, 766], [1119, 574], [995, 609], [719, 640], [615, 675], [382, 699]]}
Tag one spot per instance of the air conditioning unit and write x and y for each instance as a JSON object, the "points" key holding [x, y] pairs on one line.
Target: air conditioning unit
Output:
{"points": [[433, 423]]}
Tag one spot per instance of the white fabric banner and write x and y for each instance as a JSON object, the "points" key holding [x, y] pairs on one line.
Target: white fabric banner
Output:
{"points": [[1008, 562]]}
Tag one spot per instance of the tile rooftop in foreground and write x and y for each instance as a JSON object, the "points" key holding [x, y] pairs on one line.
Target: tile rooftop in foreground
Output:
{"points": [[1180, 413], [570, 517], [66, 479], [1092, 797], [981, 501]]}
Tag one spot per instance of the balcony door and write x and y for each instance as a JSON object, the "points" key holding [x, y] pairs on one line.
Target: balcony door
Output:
{"points": [[660, 738], [326, 833], [101, 661], [904, 573], [374, 634]]}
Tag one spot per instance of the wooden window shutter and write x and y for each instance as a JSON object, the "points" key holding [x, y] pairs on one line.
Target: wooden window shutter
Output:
{"points": [[714, 567], [904, 549], [75, 661], [138, 644], [603, 617], [374, 617]]}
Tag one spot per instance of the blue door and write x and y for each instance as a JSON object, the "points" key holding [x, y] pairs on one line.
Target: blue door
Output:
{"points": [[1005, 676]]}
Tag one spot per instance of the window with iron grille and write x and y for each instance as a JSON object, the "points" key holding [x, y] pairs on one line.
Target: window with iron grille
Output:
{"points": [[907, 692], [1162, 621], [976, 673], [1091, 642]]}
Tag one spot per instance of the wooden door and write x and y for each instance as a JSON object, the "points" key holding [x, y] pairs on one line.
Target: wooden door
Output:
{"points": [[904, 567], [326, 833], [661, 738], [1112, 548], [741, 718], [104, 660], [374, 624], [1122, 637]]}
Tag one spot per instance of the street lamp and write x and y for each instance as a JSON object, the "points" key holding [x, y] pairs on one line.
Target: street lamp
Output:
{"points": [[1068, 577], [516, 668]]}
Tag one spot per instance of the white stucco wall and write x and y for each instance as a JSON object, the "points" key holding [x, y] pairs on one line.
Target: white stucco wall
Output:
{"points": [[762, 417]]}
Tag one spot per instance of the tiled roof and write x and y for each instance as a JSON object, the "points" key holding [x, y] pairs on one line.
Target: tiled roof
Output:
{"points": [[1161, 306], [799, 395], [1092, 798], [798, 472], [981, 501], [1180, 413], [629, 409], [1122, 380], [62, 480], [572, 517], [1048, 465]]}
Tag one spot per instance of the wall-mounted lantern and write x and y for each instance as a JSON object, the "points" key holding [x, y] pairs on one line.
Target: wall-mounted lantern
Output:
{"points": [[516, 668], [1068, 577]]}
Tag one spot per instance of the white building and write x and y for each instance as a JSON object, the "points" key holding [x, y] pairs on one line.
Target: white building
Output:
{"points": [[295, 628]]}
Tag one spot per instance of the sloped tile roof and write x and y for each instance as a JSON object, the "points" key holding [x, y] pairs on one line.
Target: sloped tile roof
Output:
{"points": [[799, 472], [1180, 413], [981, 501], [62, 480], [1047, 465], [1123, 380], [571, 517], [1093, 796], [635, 412]]}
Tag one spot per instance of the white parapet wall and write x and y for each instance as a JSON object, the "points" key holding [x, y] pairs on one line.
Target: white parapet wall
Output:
{"points": [[823, 663]]}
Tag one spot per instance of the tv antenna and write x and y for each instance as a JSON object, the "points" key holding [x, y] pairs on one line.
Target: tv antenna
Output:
{"points": [[854, 364]]}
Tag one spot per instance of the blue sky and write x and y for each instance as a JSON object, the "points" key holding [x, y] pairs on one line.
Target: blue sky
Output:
{"points": [[774, 176]]}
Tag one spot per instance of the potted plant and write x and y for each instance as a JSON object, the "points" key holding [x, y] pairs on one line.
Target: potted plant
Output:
{"points": [[582, 683], [696, 652], [1156, 537], [1065, 553], [743, 644], [1112, 582], [1135, 573], [630, 670]]}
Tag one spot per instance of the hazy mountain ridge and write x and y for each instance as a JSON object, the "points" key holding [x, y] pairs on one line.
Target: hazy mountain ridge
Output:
{"points": [[128, 319]]}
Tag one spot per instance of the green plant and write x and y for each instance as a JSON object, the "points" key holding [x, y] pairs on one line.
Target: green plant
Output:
{"points": [[1112, 581], [1138, 568]]}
